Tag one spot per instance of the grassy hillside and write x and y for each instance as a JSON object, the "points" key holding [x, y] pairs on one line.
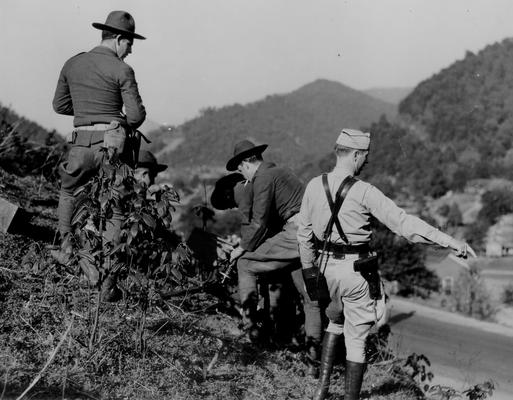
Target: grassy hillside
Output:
{"points": [[192, 347], [58, 340]]}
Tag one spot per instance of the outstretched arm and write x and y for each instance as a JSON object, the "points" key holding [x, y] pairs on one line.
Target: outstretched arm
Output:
{"points": [[408, 226]]}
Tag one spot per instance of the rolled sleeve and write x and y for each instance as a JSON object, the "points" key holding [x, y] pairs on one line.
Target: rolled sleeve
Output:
{"points": [[134, 108]]}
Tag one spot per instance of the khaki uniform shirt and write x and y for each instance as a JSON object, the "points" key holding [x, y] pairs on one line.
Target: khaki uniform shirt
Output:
{"points": [[362, 201]]}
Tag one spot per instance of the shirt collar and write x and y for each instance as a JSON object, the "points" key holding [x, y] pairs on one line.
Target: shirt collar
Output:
{"points": [[262, 167], [342, 171], [104, 50]]}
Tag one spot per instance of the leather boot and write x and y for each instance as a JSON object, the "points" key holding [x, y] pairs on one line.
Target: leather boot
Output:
{"points": [[313, 350], [329, 352], [250, 323], [110, 292], [354, 379]]}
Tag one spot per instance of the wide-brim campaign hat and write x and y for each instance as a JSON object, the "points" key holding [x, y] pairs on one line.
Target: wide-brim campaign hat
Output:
{"points": [[242, 150], [223, 197], [148, 160], [119, 22]]}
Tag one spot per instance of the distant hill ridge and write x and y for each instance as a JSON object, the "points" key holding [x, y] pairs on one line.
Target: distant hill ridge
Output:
{"points": [[298, 126], [28, 129], [393, 95], [452, 128]]}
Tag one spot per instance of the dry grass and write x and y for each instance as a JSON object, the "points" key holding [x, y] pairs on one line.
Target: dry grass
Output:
{"points": [[193, 348]]}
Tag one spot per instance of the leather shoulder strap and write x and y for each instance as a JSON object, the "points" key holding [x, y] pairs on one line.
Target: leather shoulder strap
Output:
{"points": [[342, 191]]}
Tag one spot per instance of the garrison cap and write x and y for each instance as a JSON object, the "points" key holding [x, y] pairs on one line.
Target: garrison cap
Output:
{"points": [[354, 139]]}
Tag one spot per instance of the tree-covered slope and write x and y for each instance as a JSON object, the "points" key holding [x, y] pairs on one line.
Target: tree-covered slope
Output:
{"points": [[298, 126], [468, 105]]}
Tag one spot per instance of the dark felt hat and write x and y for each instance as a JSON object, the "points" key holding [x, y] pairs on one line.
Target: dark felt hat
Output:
{"points": [[242, 150], [119, 22], [222, 197], [147, 160]]}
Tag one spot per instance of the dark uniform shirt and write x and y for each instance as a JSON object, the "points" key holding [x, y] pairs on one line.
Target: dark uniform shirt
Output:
{"points": [[94, 87], [277, 195]]}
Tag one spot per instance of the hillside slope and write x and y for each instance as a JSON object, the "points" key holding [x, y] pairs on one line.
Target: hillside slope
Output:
{"points": [[28, 129]]}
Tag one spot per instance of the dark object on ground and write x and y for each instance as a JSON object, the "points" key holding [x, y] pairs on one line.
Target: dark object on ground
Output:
{"points": [[12, 217]]}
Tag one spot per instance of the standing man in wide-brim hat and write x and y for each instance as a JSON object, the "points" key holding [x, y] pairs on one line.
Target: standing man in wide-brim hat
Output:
{"points": [[269, 238], [99, 90]]}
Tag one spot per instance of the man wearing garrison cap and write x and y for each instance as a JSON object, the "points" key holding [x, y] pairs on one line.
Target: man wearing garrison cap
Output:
{"points": [[99, 90], [347, 253]]}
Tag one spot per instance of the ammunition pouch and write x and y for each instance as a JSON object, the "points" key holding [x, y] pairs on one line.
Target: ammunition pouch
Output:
{"points": [[86, 138], [368, 268], [316, 285], [115, 137]]}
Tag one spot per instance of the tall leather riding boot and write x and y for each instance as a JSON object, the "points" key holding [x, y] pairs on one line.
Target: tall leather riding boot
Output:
{"points": [[329, 352], [354, 379], [313, 353]]}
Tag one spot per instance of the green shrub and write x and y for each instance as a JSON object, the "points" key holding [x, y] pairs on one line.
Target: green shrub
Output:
{"points": [[471, 297], [507, 295]]}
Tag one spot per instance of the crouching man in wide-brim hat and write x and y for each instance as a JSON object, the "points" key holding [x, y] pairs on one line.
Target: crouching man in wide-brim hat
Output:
{"points": [[269, 241]]}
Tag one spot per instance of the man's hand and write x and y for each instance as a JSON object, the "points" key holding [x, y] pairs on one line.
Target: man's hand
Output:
{"points": [[236, 253], [462, 250]]}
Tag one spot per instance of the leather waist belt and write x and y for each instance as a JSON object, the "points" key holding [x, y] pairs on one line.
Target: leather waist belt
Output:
{"points": [[88, 135], [346, 249], [340, 249], [86, 138], [95, 127]]}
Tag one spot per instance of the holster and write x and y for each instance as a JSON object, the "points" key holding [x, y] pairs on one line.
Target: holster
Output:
{"points": [[315, 283], [368, 268], [132, 146]]}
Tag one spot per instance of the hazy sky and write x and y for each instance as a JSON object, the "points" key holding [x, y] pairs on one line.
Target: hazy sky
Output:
{"points": [[220, 52]]}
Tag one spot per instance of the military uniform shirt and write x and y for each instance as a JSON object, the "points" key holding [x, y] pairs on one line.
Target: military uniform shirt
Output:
{"points": [[362, 201], [94, 86]]}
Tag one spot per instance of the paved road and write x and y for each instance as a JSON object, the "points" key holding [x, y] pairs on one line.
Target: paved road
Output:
{"points": [[462, 352]]}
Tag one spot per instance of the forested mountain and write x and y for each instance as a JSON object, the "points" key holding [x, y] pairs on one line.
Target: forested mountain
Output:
{"points": [[299, 126], [453, 127], [468, 105]]}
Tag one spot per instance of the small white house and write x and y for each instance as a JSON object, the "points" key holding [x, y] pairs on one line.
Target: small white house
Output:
{"points": [[499, 239]]}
